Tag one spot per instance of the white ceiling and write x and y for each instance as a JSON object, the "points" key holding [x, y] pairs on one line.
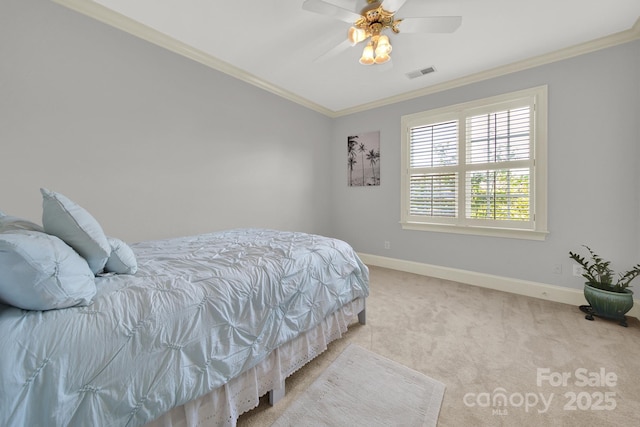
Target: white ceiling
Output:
{"points": [[274, 44]]}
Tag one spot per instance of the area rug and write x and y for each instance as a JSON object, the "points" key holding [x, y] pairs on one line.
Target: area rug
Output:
{"points": [[362, 388]]}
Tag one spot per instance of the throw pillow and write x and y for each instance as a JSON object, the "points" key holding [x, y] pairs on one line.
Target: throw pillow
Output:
{"points": [[70, 222]]}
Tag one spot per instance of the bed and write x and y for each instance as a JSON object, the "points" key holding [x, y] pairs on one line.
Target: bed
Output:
{"points": [[205, 326]]}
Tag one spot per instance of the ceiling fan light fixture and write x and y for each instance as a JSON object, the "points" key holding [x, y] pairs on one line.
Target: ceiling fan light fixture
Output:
{"points": [[367, 55], [383, 46], [375, 18], [356, 35], [381, 59]]}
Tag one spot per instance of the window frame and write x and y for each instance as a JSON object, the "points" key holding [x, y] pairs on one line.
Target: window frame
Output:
{"points": [[536, 228]]}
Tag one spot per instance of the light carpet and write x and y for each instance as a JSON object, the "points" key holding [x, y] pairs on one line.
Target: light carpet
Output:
{"points": [[480, 342], [362, 388]]}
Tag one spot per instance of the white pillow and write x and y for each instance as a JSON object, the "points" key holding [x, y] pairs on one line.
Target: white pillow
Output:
{"points": [[122, 259], [63, 218], [40, 272]]}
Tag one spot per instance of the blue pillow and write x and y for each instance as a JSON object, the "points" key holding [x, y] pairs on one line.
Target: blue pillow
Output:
{"points": [[40, 272], [11, 223], [122, 259], [63, 218]]}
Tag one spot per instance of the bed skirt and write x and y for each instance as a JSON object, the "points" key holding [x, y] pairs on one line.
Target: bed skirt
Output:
{"points": [[223, 406]]}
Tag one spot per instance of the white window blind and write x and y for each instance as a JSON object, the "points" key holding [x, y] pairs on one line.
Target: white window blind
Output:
{"points": [[479, 165], [500, 142], [434, 145], [434, 195]]}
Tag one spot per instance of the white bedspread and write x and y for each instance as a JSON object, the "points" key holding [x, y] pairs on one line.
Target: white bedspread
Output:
{"points": [[200, 311]]}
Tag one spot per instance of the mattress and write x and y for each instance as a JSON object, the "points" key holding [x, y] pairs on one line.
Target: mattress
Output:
{"points": [[200, 311]]}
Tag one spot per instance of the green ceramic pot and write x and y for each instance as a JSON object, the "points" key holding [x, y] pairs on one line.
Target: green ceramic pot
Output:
{"points": [[607, 304]]}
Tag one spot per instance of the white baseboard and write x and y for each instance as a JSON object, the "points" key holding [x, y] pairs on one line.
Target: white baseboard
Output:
{"points": [[499, 283]]}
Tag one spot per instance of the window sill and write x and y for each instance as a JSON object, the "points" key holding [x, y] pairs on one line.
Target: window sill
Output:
{"points": [[477, 231]]}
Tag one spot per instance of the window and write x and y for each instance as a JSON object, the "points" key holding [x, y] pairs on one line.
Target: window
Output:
{"points": [[478, 167]]}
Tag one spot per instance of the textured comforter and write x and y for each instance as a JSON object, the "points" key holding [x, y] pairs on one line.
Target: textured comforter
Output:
{"points": [[199, 311]]}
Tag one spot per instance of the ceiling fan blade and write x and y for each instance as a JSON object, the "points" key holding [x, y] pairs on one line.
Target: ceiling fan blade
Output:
{"points": [[341, 47], [393, 5], [432, 24], [324, 8]]}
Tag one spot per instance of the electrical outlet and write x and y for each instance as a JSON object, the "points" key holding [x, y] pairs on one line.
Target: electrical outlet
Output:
{"points": [[577, 271], [387, 244]]}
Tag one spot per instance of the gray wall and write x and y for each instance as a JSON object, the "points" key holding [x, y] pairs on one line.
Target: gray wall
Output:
{"points": [[153, 144], [593, 194], [156, 145]]}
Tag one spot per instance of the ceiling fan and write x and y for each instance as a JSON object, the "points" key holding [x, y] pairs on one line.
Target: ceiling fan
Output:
{"points": [[373, 20]]}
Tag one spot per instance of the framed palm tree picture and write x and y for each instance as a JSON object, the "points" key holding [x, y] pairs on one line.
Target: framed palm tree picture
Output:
{"points": [[363, 159]]}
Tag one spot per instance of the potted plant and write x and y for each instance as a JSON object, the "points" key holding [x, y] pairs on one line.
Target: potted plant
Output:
{"points": [[606, 298]]}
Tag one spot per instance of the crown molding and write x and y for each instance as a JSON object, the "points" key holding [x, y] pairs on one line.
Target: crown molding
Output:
{"points": [[121, 22], [126, 24], [591, 46]]}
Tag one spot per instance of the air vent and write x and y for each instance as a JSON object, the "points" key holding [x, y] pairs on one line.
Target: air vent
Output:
{"points": [[418, 73]]}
